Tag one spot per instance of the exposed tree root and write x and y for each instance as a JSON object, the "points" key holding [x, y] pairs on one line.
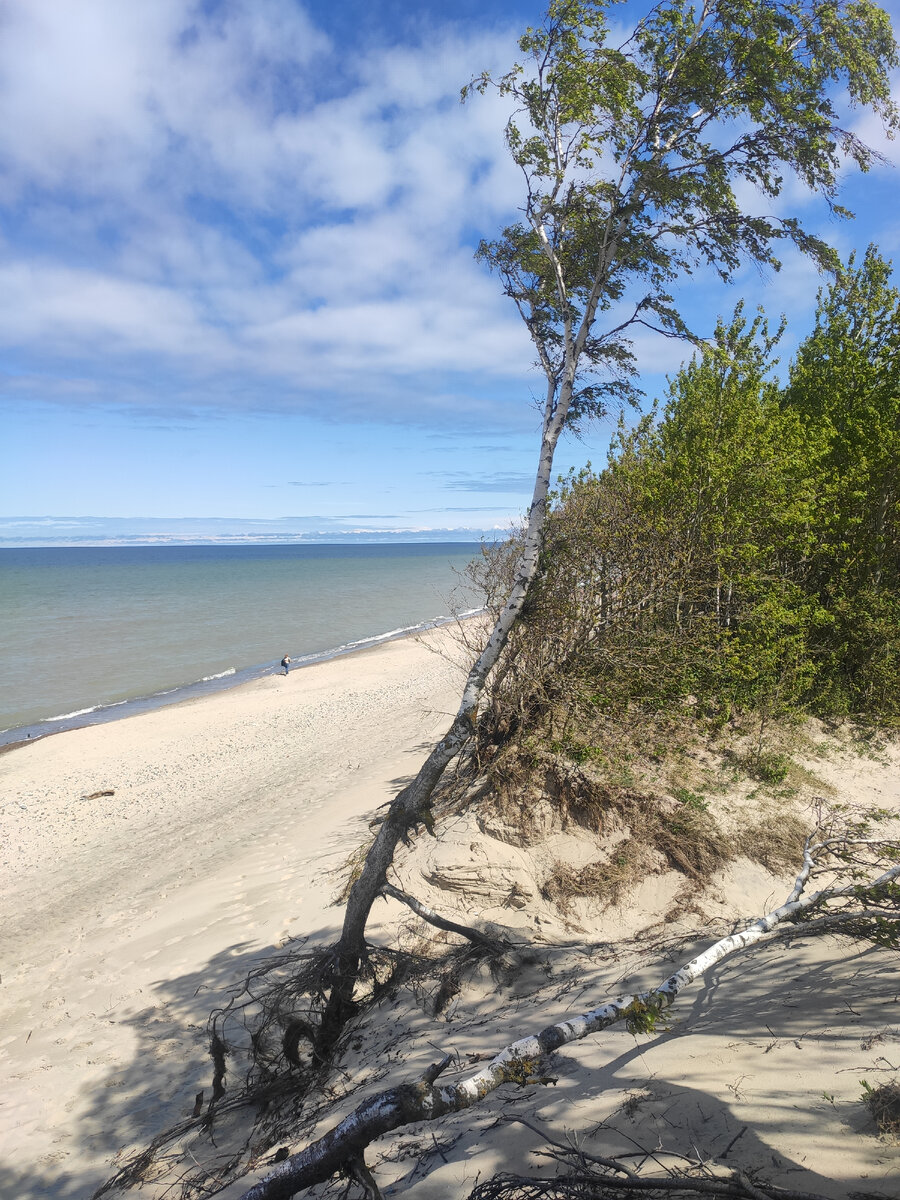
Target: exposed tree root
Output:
{"points": [[587, 1176], [266, 1035], [264, 1038], [588, 1184], [876, 905]]}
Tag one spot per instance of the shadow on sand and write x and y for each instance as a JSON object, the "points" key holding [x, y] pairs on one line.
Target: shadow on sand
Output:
{"points": [[734, 1079]]}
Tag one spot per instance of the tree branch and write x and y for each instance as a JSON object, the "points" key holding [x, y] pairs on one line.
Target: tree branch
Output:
{"points": [[523, 1062], [439, 922]]}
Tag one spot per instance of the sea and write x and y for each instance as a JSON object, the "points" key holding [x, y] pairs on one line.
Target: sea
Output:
{"points": [[90, 634]]}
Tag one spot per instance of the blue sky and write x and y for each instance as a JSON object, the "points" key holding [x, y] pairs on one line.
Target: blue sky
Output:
{"points": [[237, 274]]}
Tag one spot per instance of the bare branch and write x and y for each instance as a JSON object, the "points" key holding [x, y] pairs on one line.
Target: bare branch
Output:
{"points": [[439, 922], [524, 1061]]}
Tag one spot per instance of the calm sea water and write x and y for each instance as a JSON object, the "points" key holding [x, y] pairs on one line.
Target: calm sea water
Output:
{"points": [[89, 634]]}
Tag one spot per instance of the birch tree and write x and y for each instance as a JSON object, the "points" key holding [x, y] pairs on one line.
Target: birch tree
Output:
{"points": [[861, 899], [637, 153]]}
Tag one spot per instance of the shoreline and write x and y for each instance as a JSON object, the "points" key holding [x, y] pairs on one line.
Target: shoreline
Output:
{"points": [[150, 862], [226, 681]]}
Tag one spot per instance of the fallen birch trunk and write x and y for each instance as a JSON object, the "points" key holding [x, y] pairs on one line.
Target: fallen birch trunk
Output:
{"points": [[523, 1061]]}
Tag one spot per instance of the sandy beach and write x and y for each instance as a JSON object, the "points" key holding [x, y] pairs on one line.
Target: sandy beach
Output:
{"points": [[150, 863], [125, 915]]}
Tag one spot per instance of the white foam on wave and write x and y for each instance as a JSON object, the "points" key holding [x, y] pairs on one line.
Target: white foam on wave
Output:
{"points": [[83, 712], [302, 660], [383, 637], [375, 638]]}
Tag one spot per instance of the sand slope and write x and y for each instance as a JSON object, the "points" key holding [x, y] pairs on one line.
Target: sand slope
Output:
{"points": [[760, 1066], [126, 919]]}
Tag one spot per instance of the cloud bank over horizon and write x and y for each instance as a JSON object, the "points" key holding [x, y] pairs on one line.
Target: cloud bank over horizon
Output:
{"points": [[38, 532]]}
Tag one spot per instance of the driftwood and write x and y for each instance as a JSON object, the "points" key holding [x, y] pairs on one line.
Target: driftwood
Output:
{"points": [[525, 1061]]}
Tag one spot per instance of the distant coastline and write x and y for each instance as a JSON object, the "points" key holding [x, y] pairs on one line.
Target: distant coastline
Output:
{"points": [[240, 539], [38, 532]]}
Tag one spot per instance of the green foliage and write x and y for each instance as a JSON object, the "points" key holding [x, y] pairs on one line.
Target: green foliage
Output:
{"points": [[845, 386], [882, 926], [526, 1071], [635, 155], [771, 768], [692, 800], [740, 553], [579, 752], [645, 1016]]}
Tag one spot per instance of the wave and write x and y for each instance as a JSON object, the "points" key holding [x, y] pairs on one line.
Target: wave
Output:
{"points": [[156, 699], [386, 637], [375, 639], [390, 636], [83, 712]]}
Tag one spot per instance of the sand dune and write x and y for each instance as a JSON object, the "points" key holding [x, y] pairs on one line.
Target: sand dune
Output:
{"points": [[127, 917]]}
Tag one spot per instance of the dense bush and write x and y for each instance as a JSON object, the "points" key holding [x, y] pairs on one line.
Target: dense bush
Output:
{"points": [[740, 551]]}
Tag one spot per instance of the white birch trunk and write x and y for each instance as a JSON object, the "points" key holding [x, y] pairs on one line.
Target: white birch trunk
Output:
{"points": [[409, 803], [425, 1101]]}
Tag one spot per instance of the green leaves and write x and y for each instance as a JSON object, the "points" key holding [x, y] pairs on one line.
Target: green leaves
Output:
{"points": [[633, 154], [742, 548], [845, 388]]}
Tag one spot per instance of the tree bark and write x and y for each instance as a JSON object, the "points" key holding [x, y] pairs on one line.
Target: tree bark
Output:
{"points": [[406, 808], [439, 922], [522, 1062]]}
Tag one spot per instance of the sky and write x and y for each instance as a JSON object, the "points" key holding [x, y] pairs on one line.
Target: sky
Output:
{"points": [[237, 270]]}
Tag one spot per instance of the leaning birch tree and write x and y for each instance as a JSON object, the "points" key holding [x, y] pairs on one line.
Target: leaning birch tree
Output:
{"points": [[637, 154]]}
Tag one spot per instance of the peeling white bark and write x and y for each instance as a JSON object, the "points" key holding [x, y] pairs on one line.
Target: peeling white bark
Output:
{"points": [[519, 1062]]}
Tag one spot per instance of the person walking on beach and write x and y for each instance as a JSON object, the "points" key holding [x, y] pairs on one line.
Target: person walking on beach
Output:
{"points": [[286, 663]]}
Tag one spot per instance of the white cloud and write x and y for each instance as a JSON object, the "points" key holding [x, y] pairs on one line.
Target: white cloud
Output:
{"points": [[100, 94], [218, 188], [87, 311], [223, 193]]}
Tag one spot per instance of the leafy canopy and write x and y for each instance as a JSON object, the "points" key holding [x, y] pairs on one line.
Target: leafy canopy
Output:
{"points": [[637, 155], [742, 547]]}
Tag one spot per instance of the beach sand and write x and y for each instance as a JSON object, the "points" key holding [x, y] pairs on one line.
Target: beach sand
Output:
{"points": [[126, 919]]}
